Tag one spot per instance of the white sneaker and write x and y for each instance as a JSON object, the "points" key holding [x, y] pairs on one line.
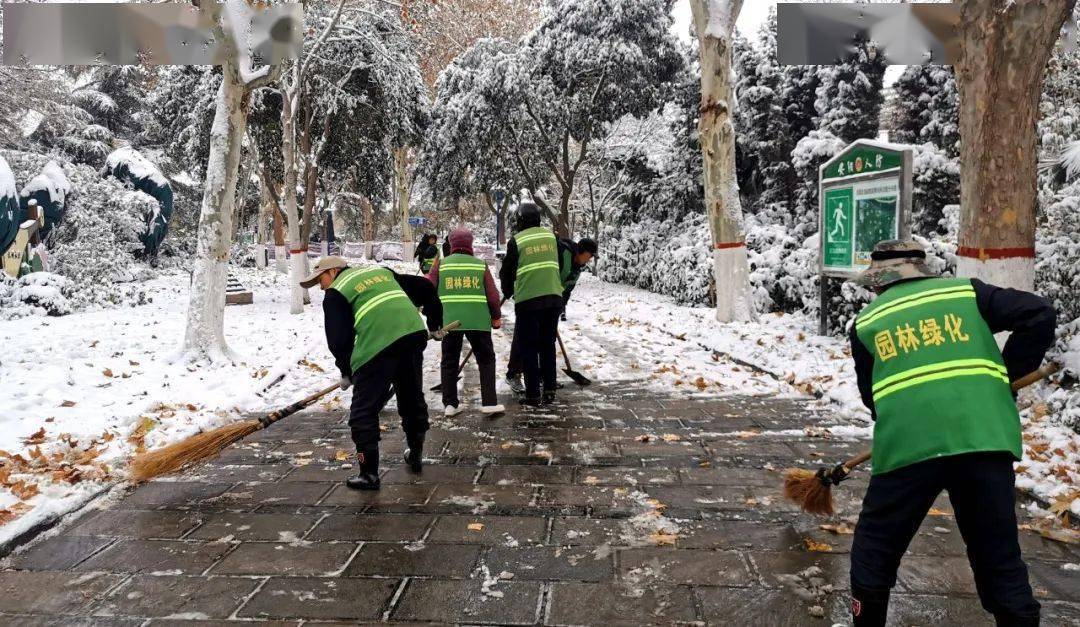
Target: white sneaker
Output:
{"points": [[492, 409], [451, 411]]}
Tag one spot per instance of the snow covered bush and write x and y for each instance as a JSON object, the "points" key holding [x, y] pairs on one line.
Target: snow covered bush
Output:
{"points": [[1057, 267], [663, 256], [811, 151], [38, 293], [937, 184]]}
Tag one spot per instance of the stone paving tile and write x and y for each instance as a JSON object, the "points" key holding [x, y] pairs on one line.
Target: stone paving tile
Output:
{"points": [[156, 556], [684, 567], [479, 499], [432, 474], [448, 561], [579, 531], [321, 599], [250, 495], [768, 566], [24, 592], [371, 527], [147, 524], [389, 498], [936, 575], [738, 534], [172, 493], [618, 604], [730, 476], [1051, 581], [320, 473], [551, 563], [463, 601], [492, 531], [617, 476], [253, 527], [171, 596], [59, 552], [68, 621], [225, 473], [749, 606], [526, 475], [297, 559]]}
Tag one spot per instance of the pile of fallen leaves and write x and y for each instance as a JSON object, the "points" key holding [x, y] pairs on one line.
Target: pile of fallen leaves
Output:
{"points": [[62, 459]]}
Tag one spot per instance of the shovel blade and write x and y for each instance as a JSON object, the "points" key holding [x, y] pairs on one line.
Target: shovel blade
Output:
{"points": [[578, 378]]}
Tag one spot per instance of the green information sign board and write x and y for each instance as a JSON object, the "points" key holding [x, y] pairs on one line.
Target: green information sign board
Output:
{"points": [[865, 198]]}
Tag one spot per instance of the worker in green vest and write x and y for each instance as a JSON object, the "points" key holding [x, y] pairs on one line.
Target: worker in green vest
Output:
{"points": [[530, 275], [930, 371], [427, 251], [468, 295], [377, 337]]}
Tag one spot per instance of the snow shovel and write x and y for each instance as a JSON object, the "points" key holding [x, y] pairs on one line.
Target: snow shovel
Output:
{"points": [[812, 491], [578, 378], [468, 355]]}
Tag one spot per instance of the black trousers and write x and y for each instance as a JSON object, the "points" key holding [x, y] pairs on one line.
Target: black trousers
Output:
{"points": [[981, 490], [513, 364], [535, 333], [483, 351], [401, 365]]}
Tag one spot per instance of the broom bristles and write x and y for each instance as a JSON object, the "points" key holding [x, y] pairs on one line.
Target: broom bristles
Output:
{"points": [[188, 451], [805, 489]]}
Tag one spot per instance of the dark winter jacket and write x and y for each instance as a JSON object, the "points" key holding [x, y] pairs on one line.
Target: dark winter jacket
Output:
{"points": [[508, 274], [1030, 317], [341, 330], [569, 270]]}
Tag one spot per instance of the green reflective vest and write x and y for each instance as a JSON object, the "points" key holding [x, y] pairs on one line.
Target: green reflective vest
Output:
{"points": [[940, 386], [427, 262], [462, 292], [538, 265], [382, 312]]}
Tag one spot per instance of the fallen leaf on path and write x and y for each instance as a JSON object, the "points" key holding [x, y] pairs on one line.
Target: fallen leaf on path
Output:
{"points": [[67, 404], [36, 438], [670, 437], [842, 529], [817, 547], [341, 456], [938, 512], [107, 372], [662, 538], [476, 526], [25, 491]]}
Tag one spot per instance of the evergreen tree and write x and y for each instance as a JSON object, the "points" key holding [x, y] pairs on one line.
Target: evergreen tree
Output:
{"points": [[927, 108], [849, 98]]}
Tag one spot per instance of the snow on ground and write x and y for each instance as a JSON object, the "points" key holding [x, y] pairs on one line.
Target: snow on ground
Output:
{"points": [[84, 392]]}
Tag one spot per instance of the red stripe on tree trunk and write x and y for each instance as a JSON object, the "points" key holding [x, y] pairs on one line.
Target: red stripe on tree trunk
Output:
{"points": [[995, 253], [724, 245]]}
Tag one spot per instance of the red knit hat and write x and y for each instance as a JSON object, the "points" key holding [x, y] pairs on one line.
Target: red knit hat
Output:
{"points": [[461, 240]]}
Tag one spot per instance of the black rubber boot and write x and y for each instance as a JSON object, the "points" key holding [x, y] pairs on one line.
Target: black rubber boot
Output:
{"points": [[368, 477], [869, 609], [414, 455]]}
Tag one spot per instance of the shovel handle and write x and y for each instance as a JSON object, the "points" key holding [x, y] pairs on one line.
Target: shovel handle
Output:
{"points": [[562, 349], [1047, 370]]}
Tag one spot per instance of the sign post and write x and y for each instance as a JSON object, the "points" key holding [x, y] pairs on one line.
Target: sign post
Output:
{"points": [[864, 198]]}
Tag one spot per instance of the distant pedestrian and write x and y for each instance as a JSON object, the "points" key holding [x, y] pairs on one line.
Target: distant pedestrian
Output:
{"points": [[468, 294], [937, 386], [377, 337], [530, 275], [427, 251]]}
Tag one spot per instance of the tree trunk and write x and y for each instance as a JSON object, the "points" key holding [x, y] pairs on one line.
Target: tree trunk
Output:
{"points": [[260, 225], [401, 196], [205, 334], [1005, 49], [714, 21], [297, 246]]}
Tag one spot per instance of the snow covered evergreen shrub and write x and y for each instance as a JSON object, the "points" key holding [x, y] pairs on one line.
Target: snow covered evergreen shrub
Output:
{"points": [[1057, 267], [937, 184], [664, 256], [813, 150], [38, 293]]}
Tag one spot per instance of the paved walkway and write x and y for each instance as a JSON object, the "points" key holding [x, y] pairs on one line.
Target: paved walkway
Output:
{"points": [[619, 506]]}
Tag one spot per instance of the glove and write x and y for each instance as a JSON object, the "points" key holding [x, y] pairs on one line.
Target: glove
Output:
{"points": [[496, 323], [345, 383], [438, 335]]}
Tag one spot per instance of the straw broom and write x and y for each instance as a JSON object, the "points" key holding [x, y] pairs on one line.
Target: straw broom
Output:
{"points": [[209, 443], [812, 490]]}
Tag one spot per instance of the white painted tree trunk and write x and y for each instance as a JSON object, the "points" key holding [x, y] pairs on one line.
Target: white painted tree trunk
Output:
{"points": [[260, 226], [1004, 51], [401, 196], [297, 252], [205, 334], [714, 21]]}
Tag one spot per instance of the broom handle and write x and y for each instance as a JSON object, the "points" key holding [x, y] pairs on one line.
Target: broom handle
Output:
{"points": [[1021, 383], [304, 403]]}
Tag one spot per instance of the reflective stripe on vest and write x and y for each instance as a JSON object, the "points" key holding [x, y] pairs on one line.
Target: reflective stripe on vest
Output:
{"points": [[538, 265], [463, 292], [382, 311], [940, 386]]}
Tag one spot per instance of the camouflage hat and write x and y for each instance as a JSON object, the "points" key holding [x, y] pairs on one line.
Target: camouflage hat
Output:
{"points": [[893, 261]]}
